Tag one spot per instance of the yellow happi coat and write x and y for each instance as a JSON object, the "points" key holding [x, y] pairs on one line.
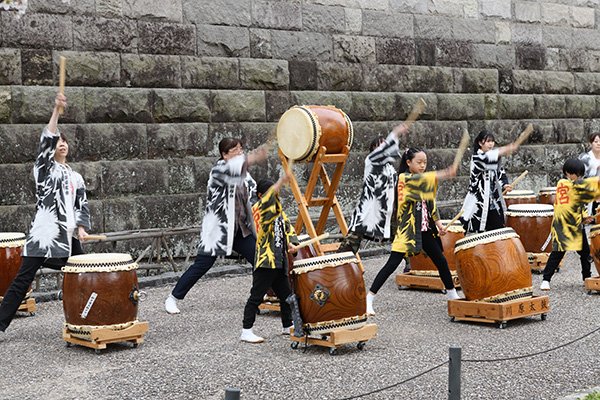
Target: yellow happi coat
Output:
{"points": [[265, 212], [412, 189], [569, 211]]}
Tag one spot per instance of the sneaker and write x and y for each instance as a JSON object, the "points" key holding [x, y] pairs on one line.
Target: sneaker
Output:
{"points": [[171, 305], [250, 337], [370, 298], [287, 331], [451, 294], [545, 285]]}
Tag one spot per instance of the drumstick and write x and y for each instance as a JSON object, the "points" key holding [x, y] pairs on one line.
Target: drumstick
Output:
{"points": [[94, 237], [417, 110], [453, 220], [514, 183], [313, 240], [524, 135], [61, 79], [464, 144]]}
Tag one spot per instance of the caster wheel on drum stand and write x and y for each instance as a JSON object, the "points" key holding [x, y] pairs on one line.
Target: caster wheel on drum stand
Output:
{"points": [[31, 314], [97, 351], [332, 351], [444, 291], [544, 317], [452, 319], [502, 325], [69, 344], [360, 345], [294, 345], [589, 292]]}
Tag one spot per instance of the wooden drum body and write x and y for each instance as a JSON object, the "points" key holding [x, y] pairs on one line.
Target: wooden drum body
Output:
{"points": [[100, 290], [421, 264], [493, 267], [595, 245], [302, 130], [11, 249], [547, 195], [532, 222], [331, 293], [520, 197]]}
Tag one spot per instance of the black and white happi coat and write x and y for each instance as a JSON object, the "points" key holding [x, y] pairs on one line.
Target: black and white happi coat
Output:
{"points": [[486, 182], [218, 225], [373, 213], [61, 203]]}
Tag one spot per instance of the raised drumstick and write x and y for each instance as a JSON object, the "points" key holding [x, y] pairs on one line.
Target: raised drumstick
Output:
{"points": [[524, 135], [514, 183], [313, 240], [416, 111], [61, 79], [94, 237], [464, 144], [453, 220]]}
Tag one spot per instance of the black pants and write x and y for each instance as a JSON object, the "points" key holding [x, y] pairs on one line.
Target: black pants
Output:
{"points": [[495, 220], [20, 285], [556, 257], [246, 246], [262, 280], [431, 246]]}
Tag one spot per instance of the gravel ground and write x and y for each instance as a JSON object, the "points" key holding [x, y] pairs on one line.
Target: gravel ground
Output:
{"points": [[197, 354]]}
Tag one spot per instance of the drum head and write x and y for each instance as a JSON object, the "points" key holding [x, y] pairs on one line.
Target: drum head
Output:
{"points": [[532, 210], [520, 193], [483, 238], [100, 262], [329, 260], [12, 239], [455, 227], [548, 190], [298, 133]]}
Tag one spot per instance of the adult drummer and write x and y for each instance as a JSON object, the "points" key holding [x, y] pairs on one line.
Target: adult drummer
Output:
{"points": [[228, 224], [591, 160], [61, 210]]}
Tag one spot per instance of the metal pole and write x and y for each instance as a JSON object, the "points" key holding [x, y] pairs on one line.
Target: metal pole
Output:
{"points": [[232, 394], [454, 373]]}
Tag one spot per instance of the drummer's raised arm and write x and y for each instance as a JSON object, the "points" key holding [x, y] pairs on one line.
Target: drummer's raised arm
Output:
{"points": [[257, 155], [59, 102], [508, 149], [447, 173]]}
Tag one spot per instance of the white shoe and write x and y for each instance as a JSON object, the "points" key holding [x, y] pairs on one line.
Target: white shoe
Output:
{"points": [[370, 298], [545, 285], [250, 337], [287, 331], [171, 305], [451, 294]]}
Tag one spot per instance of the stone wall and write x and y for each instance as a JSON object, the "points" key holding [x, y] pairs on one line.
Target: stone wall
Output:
{"points": [[153, 86]]}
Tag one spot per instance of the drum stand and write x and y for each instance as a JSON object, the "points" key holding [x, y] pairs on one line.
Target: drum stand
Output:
{"points": [[26, 306], [592, 284], [334, 339], [498, 313], [100, 337], [424, 282]]}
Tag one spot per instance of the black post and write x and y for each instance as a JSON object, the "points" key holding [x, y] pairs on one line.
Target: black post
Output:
{"points": [[232, 394], [454, 373]]}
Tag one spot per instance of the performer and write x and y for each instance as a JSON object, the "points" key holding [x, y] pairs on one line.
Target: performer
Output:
{"points": [[372, 217], [484, 206], [591, 160], [418, 221], [572, 194], [61, 210], [275, 237], [227, 223]]}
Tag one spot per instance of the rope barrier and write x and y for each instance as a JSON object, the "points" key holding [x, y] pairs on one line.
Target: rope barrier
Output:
{"points": [[396, 384]]}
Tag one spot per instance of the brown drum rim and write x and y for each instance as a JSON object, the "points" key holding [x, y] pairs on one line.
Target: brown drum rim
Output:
{"points": [[484, 238], [327, 261], [100, 262], [12, 239]]}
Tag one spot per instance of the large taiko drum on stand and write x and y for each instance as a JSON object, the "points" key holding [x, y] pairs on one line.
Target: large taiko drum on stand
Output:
{"points": [[421, 264], [100, 291], [303, 253], [302, 130], [520, 197], [493, 267], [547, 195], [11, 249], [532, 222], [331, 292], [595, 245]]}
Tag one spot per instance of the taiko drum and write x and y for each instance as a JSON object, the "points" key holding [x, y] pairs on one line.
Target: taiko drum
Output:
{"points": [[11, 249], [547, 195], [595, 245], [331, 292], [100, 290], [302, 130], [532, 222], [520, 197], [493, 266], [421, 264]]}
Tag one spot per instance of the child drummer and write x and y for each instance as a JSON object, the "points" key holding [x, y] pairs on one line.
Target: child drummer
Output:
{"points": [[572, 195], [275, 236]]}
